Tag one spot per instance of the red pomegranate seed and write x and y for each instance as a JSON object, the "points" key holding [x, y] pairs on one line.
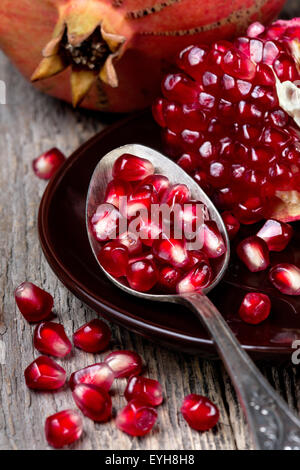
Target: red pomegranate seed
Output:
{"points": [[141, 199], [199, 412], [286, 278], [132, 241], [63, 428], [177, 87], [44, 374], [94, 402], [249, 211], [231, 223], [198, 278], [115, 190], [213, 243], [50, 338], [92, 337], [195, 257], [142, 275], [255, 308], [159, 182], [148, 391], [100, 375], [176, 194], [149, 231], [169, 277], [46, 165], [131, 168], [124, 363], [113, 257], [136, 418], [254, 253], [34, 303], [105, 222], [276, 234], [171, 251]]}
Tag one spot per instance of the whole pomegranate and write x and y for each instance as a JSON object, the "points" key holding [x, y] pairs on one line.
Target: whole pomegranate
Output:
{"points": [[231, 116], [110, 54]]}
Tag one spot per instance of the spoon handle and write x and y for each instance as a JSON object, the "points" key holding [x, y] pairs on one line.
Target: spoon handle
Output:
{"points": [[272, 424]]}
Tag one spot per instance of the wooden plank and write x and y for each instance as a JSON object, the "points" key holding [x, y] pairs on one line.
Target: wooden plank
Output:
{"points": [[29, 124]]}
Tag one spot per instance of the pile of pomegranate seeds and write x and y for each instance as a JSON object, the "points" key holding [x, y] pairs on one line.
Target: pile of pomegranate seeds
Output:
{"points": [[46, 165], [90, 386], [199, 412], [255, 308], [223, 123], [143, 254]]}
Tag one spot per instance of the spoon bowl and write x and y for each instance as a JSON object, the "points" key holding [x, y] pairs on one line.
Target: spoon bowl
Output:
{"points": [[164, 166]]}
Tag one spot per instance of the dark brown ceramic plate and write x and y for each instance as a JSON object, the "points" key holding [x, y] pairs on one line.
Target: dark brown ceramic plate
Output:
{"points": [[65, 244]]}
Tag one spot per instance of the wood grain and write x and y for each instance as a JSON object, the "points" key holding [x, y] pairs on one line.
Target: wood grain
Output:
{"points": [[30, 123]]}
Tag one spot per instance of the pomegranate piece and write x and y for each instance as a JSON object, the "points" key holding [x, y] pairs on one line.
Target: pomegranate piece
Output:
{"points": [[199, 412], [63, 428], [159, 182], [47, 164], [276, 234], [92, 337], [115, 190], [171, 251], [34, 303], [231, 223], [169, 277], [100, 375], [113, 257], [286, 278], [148, 391], [199, 277], [213, 243], [131, 168], [44, 374], [124, 363], [136, 418], [142, 275], [50, 338], [132, 241], [105, 222], [94, 402], [233, 87], [255, 308], [254, 253], [176, 194]]}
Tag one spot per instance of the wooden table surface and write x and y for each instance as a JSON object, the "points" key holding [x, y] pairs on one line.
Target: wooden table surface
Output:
{"points": [[30, 123]]}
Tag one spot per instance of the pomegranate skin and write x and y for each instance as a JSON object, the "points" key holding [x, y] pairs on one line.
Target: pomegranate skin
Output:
{"points": [[63, 428], [44, 374], [34, 303], [92, 337], [199, 412], [149, 33]]}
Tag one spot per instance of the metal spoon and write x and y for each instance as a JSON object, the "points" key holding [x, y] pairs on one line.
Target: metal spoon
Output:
{"points": [[272, 424]]}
